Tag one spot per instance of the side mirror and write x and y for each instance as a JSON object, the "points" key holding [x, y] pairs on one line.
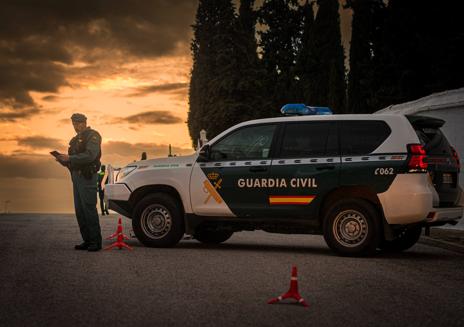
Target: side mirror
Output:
{"points": [[204, 153]]}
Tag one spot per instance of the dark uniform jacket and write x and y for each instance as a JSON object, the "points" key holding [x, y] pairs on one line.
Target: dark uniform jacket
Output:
{"points": [[85, 152]]}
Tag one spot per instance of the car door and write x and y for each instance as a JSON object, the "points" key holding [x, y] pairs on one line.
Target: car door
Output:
{"points": [[307, 164], [225, 184]]}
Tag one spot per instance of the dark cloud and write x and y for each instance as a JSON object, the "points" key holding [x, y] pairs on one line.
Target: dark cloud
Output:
{"points": [[162, 88], [150, 117], [51, 98], [31, 166], [41, 142], [40, 40], [13, 115], [134, 150]]}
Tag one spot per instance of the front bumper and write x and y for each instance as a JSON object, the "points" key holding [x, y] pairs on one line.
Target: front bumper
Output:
{"points": [[117, 197], [119, 192], [444, 215]]}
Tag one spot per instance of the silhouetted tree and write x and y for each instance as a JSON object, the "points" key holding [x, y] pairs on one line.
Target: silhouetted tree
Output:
{"points": [[280, 43], [325, 64], [303, 59], [365, 75]]}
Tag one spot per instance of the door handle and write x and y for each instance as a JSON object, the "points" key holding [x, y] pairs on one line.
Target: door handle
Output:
{"points": [[258, 169], [325, 168]]}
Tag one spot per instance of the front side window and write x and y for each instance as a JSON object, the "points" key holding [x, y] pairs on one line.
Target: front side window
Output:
{"points": [[247, 143]]}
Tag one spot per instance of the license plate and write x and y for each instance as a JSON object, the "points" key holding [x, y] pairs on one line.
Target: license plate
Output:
{"points": [[447, 178]]}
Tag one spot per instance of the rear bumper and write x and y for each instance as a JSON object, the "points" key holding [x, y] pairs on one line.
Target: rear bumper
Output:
{"points": [[408, 200], [444, 215]]}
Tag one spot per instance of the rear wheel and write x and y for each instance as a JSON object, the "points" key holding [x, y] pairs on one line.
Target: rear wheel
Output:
{"points": [[405, 240], [211, 236], [351, 227], [158, 221]]}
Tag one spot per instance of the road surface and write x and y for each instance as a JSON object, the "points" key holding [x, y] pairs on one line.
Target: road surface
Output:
{"points": [[45, 282]]}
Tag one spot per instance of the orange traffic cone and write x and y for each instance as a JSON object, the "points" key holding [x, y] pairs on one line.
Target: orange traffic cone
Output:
{"points": [[120, 237], [292, 292]]}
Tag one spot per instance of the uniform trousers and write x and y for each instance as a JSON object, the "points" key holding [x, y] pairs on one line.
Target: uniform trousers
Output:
{"points": [[85, 205]]}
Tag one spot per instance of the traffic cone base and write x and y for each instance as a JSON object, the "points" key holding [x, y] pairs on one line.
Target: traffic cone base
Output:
{"points": [[292, 292], [120, 237]]}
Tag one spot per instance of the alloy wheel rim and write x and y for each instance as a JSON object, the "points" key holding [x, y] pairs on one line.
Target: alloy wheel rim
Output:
{"points": [[156, 221], [350, 228]]}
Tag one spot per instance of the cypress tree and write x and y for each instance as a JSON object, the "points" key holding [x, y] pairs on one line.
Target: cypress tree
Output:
{"points": [[280, 42], [211, 51], [364, 76], [325, 63], [227, 81], [303, 59]]}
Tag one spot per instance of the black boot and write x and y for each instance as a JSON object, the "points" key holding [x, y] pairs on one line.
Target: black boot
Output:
{"points": [[82, 246]]}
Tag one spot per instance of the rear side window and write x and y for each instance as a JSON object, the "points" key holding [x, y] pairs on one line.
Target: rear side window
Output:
{"points": [[309, 139], [362, 137]]}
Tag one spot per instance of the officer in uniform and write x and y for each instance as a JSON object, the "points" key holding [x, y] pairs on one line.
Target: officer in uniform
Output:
{"points": [[83, 161], [101, 190]]}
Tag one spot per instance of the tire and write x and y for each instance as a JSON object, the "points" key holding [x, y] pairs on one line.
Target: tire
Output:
{"points": [[158, 221], [405, 240], [210, 236], [352, 227]]}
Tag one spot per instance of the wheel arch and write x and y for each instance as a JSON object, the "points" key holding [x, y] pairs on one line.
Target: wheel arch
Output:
{"points": [[143, 191], [344, 192], [360, 192]]}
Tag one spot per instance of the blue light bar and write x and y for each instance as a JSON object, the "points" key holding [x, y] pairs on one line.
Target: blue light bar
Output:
{"points": [[300, 109]]}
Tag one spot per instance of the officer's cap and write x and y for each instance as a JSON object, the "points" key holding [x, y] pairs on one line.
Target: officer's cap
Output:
{"points": [[78, 118]]}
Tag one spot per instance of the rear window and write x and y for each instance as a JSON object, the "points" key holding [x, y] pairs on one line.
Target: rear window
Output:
{"points": [[430, 135], [433, 140], [362, 137]]}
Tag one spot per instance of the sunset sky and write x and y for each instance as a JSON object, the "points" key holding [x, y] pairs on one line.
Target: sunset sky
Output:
{"points": [[124, 64]]}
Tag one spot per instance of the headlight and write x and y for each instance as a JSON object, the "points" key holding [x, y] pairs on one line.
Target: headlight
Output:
{"points": [[124, 172]]}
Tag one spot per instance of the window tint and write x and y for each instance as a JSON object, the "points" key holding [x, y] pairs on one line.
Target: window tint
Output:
{"points": [[252, 142], [308, 139], [362, 137]]}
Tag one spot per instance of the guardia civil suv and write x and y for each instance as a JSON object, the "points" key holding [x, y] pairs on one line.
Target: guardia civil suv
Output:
{"points": [[364, 182]]}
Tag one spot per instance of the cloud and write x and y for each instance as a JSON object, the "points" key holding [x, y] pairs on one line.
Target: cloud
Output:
{"points": [[178, 88], [117, 153], [31, 166], [134, 150], [42, 43], [50, 98], [150, 117], [41, 142], [8, 115]]}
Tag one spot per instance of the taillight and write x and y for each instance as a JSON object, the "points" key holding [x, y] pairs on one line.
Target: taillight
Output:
{"points": [[456, 157], [417, 158]]}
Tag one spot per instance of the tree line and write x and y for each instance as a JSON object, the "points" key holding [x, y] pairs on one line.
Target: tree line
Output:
{"points": [[248, 62]]}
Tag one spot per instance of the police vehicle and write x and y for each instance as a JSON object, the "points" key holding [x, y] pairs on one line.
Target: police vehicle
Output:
{"points": [[362, 181]]}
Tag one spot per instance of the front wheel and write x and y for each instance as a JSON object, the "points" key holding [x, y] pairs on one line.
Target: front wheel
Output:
{"points": [[158, 221], [352, 228], [405, 240]]}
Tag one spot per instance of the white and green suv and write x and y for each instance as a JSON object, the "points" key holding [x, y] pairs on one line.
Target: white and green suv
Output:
{"points": [[363, 181]]}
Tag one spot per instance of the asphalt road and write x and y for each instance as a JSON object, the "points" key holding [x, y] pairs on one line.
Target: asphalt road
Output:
{"points": [[45, 282]]}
